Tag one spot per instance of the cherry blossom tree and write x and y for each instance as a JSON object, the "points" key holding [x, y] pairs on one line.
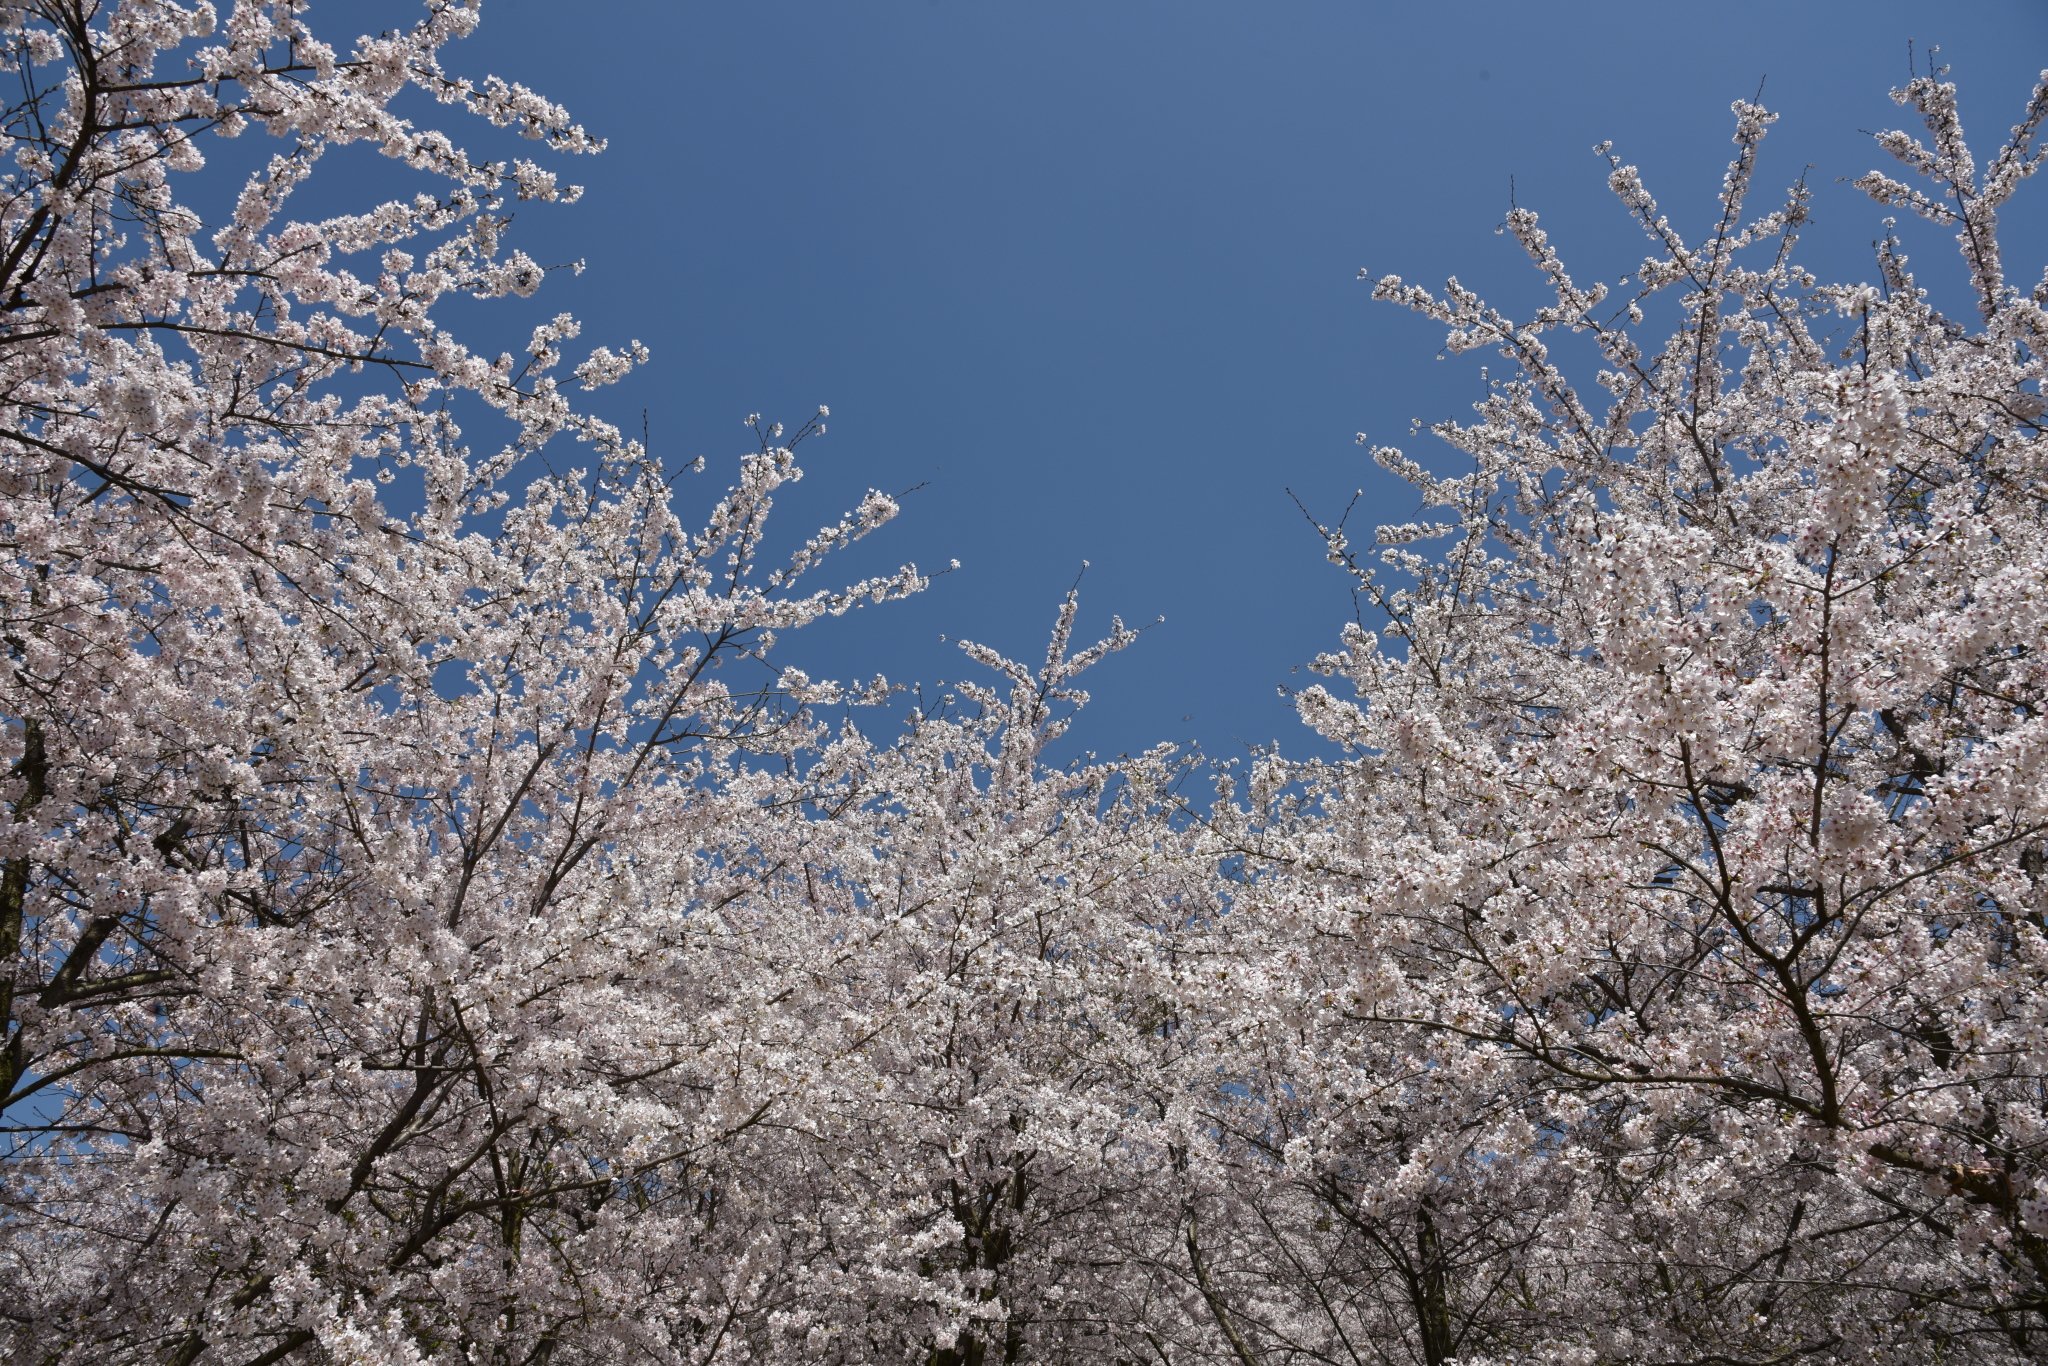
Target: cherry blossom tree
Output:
{"points": [[379, 979], [996, 1048], [1671, 941], [433, 927]]}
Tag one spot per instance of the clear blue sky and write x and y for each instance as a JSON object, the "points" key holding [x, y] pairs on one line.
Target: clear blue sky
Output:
{"points": [[1086, 272]]}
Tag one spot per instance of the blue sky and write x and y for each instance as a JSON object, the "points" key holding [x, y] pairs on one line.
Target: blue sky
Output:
{"points": [[1086, 273]]}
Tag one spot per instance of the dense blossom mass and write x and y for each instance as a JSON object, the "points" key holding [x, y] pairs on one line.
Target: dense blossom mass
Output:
{"points": [[432, 931]]}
